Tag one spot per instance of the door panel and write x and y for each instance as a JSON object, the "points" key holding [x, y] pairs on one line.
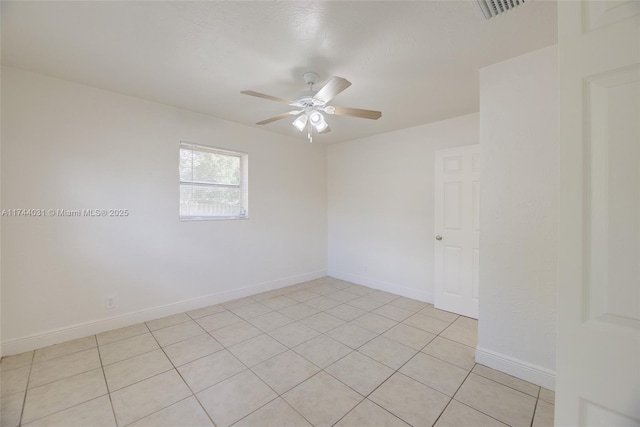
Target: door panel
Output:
{"points": [[452, 164], [452, 205], [452, 267], [613, 208]]}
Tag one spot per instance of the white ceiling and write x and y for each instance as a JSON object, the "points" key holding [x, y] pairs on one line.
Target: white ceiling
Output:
{"points": [[417, 62]]}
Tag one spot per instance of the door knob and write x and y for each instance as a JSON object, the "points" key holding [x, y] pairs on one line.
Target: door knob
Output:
{"points": [[438, 237]]}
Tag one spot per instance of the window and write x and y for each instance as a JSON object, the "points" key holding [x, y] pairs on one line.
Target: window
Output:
{"points": [[213, 183]]}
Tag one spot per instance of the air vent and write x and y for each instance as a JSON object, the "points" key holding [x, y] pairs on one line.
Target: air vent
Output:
{"points": [[493, 8]]}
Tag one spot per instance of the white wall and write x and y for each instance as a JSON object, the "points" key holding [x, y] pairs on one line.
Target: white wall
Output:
{"points": [[68, 146], [381, 195], [518, 216]]}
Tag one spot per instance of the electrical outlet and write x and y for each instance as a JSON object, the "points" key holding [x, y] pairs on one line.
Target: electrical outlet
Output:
{"points": [[109, 303]]}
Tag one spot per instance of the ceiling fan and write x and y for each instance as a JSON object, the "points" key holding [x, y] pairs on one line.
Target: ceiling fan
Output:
{"points": [[311, 106]]}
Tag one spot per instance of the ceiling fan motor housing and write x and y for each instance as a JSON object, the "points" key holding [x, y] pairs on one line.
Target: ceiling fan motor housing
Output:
{"points": [[311, 78]]}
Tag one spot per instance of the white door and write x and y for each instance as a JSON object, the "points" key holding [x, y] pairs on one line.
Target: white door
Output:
{"points": [[598, 350], [457, 191]]}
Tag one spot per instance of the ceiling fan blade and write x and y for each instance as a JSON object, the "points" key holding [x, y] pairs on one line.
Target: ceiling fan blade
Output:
{"points": [[265, 96], [357, 112], [331, 89], [278, 117]]}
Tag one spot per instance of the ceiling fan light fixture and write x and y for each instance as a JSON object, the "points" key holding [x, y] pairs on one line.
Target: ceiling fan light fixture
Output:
{"points": [[318, 121], [322, 126], [300, 122], [315, 117]]}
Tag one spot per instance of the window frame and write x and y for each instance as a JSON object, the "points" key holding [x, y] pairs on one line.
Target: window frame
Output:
{"points": [[243, 186]]}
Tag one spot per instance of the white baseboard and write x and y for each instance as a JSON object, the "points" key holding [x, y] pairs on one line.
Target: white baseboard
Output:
{"points": [[518, 368], [56, 336], [384, 286]]}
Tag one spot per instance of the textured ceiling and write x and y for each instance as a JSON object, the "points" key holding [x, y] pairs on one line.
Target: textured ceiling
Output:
{"points": [[415, 61]]}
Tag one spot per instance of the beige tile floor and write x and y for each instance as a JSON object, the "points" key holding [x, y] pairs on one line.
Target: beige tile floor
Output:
{"points": [[321, 353]]}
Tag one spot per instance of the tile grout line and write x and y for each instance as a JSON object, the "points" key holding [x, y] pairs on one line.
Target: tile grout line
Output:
{"points": [[407, 361], [183, 380], [386, 379], [204, 331], [148, 378], [278, 395], [476, 409], [398, 371], [161, 409], [225, 347], [19, 367], [461, 383], [155, 339], [106, 384], [368, 400], [483, 413], [58, 357], [168, 326], [365, 397], [443, 360], [126, 338], [454, 394], [70, 376], [535, 407], [506, 385], [26, 390], [247, 368], [129, 358]]}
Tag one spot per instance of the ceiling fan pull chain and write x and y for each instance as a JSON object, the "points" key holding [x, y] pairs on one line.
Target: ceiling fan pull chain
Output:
{"points": [[310, 133]]}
